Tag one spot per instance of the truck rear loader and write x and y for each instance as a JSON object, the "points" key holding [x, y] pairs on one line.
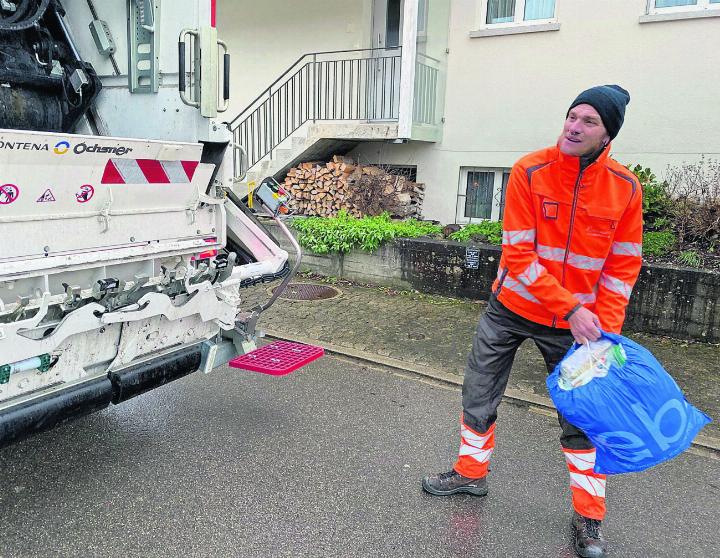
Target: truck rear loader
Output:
{"points": [[124, 251]]}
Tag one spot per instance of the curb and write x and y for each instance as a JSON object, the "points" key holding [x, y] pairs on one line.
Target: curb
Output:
{"points": [[701, 441]]}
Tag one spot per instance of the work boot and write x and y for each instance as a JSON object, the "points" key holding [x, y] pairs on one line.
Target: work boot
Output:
{"points": [[589, 541], [452, 482]]}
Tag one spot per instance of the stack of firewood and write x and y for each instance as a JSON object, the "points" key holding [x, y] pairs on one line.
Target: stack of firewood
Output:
{"points": [[324, 189]]}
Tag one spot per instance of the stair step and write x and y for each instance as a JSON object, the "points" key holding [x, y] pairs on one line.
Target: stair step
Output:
{"points": [[282, 155], [298, 142]]}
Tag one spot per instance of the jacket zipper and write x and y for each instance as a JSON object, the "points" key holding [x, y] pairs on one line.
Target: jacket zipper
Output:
{"points": [[502, 280], [570, 230]]}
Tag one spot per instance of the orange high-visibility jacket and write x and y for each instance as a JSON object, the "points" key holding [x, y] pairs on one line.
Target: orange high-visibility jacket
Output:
{"points": [[570, 238]]}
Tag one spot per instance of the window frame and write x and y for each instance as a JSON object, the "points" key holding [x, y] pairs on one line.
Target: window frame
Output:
{"points": [[519, 18], [422, 21], [699, 6], [497, 196]]}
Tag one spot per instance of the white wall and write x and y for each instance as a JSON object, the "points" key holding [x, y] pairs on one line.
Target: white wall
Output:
{"points": [[508, 95], [265, 37]]}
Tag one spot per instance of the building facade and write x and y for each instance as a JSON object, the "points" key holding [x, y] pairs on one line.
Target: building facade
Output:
{"points": [[479, 83]]}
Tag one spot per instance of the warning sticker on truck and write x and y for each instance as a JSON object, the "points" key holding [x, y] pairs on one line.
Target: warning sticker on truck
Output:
{"points": [[8, 194], [85, 194], [47, 196]]}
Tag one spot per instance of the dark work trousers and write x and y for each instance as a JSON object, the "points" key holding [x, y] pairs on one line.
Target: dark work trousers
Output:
{"points": [[499, 334]]}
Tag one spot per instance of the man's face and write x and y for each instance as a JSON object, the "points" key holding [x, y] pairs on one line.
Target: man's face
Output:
{"points": [[583, 132]]}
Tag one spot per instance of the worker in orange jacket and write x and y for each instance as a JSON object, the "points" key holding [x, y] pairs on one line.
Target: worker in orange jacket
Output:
{"points": [[571, 253]]}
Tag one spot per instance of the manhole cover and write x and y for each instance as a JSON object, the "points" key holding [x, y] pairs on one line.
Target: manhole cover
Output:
{"points": [[308, 291]]}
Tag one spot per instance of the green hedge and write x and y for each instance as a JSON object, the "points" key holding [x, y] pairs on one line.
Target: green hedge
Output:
{"points": [[486, 231], [343, 233]]}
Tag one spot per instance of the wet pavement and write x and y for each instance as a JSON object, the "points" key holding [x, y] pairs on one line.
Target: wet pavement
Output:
{"points": [[324, 462], [425, 331]]}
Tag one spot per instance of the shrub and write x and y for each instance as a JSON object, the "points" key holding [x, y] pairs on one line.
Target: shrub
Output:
{"points": [[322, 235], [657, 204], [487, 231], [658, 243], [695, 191]]}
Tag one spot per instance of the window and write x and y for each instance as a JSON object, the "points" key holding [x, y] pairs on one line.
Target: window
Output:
{"points": [[668, 10], [481, 194], [392, 23], [673, 3], [518, 11], [422, 18], [662, 6]]}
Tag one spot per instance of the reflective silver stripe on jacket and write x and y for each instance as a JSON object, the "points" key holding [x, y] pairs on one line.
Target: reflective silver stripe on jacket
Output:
{"points": [[550, 253], [575, 260], [531, 274], [585, 298], [615, 285], [626, 249], [517, 287], [585, 262], [516, 237]]}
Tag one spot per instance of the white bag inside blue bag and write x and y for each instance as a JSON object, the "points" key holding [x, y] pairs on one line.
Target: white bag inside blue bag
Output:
{"points": [[632, 411]]}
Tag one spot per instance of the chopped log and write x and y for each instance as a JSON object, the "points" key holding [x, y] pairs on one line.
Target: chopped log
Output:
{"points": [[325, 189]]}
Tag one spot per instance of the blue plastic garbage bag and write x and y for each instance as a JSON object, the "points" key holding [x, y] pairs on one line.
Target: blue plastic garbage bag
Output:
{"points": [[636, 416]]}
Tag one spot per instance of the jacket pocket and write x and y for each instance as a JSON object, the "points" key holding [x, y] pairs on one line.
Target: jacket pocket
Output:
{"points": [[598, 222], [550, 209]]}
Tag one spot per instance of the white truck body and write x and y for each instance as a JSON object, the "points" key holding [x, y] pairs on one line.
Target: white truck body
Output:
{"points": [[110, 280]]}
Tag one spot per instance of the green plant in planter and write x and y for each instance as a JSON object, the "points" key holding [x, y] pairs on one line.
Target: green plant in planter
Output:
{"points": [[658, 243], [690, 258], [323, 235], [486, 231]]}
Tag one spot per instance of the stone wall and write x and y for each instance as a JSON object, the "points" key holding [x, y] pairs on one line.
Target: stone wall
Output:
{"points": [[682, 303]]}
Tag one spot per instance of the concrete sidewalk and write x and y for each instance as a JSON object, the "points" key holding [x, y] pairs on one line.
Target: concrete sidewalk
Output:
{"points": [[432, 335]]}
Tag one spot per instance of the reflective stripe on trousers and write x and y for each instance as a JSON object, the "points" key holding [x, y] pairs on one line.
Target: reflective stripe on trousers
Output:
{"points": [[587, 486], [475, 451]]}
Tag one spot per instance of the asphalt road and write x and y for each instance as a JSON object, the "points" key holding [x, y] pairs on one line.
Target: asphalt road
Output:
{"points": [[324, 462]]}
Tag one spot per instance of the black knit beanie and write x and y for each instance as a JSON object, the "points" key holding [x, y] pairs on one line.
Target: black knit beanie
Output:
{"points": [[610, 102]]}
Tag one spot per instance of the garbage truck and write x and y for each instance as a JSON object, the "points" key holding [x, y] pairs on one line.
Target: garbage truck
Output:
{"points": [[124, 251]]}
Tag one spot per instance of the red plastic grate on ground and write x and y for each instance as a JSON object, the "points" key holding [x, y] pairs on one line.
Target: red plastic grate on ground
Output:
{"points": [[278, 358]]}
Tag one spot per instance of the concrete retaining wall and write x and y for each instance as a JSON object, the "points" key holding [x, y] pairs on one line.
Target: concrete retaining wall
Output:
{"points": [[681, 303]]}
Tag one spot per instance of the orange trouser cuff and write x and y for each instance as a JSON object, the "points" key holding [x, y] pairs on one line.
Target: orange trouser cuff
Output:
{"points": [[475, 451], [587, 486]]}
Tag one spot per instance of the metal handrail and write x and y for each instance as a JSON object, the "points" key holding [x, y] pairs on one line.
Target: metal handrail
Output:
{"points": [[420, 54], [427, 75], [352, 85], [231, 123]]}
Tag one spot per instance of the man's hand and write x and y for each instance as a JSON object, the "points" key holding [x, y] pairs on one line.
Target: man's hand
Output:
{"points": [[584, 325]]}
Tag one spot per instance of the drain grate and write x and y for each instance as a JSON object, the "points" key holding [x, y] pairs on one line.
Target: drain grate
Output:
{"points": [[308, 291]]}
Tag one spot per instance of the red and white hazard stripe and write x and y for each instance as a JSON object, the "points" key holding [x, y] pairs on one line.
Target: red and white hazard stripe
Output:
{"points": [[148, 171], [208, 253]]}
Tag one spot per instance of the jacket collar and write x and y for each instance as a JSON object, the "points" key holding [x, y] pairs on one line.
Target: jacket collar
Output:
{"points": [[570, 165]]}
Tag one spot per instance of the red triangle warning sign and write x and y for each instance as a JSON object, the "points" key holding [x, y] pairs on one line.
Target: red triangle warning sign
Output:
{"points": [[47, 196]]}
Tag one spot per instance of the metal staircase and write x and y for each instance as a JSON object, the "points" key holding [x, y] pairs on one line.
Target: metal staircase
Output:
{"points": [[351, 88]]}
